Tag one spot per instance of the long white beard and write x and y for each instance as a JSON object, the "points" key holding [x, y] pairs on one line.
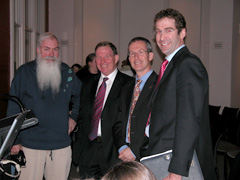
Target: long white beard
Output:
{"points": [[49, 73]]}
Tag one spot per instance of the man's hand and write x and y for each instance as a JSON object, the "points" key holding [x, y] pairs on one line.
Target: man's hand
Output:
{"points": [[126, 155], [71, 125], [172, 176], [15, 149]]}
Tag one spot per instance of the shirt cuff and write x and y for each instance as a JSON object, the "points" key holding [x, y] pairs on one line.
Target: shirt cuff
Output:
{"points": [[124, 147]]}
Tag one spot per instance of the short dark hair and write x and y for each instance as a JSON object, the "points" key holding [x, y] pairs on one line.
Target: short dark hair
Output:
{"points": [[180, 22], [77, 65], [148, 44], [107, 43], [90, 58]]}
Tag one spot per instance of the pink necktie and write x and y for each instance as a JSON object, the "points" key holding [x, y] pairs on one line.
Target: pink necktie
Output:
{"points": [[162, 69], [136, 94], [97, 110]]}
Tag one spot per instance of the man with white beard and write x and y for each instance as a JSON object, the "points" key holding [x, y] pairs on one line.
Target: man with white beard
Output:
{"points": [[47, 86], [48, 72]]}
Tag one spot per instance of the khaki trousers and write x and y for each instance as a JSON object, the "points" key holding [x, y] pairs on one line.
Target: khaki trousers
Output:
{"points": [[53, 164]]}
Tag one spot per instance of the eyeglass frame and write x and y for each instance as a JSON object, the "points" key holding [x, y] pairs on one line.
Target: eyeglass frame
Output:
{"points": [[139, 53], [166, 31]]}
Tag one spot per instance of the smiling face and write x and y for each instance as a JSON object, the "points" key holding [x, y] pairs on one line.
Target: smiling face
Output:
{"points": [[106, 60], [140, 58], [167, 37]]}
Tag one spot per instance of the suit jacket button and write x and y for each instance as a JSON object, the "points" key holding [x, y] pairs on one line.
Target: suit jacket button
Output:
{"points": [[168, 157], [189, 164]]}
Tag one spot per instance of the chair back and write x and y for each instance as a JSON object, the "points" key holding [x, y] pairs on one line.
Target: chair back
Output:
{"points": [[229, 119]]}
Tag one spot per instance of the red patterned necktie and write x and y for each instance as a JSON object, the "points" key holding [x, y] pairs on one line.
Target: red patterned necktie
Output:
{"points": [[136, 94], [162, 69], [97, 110]]}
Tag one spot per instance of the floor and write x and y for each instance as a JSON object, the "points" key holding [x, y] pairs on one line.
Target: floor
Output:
{"points": [[74, 175]]}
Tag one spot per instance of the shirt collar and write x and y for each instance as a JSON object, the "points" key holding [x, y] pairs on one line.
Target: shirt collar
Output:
{"points": [[144, 77], [169, 57], [111, 76]]}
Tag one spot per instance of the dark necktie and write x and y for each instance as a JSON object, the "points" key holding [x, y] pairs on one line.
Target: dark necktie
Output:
{"points": [[97, 110], [136, 94], [162, 69]]}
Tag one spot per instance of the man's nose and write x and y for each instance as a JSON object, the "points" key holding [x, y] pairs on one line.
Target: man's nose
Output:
{"points": [[51, 52]]}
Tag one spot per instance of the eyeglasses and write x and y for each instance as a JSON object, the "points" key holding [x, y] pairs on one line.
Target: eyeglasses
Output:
{"points": [[166, 30], [139, 53]]}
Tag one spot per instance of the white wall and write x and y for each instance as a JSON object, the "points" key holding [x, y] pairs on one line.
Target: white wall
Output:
{"points": [[117, 21], [83, 23], [100, 23], [191, 10], [235, 97], [220, 64], [137, 20], [61, 23]]}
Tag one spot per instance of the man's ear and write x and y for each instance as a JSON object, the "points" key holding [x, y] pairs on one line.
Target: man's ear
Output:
{"points": [[183, 33], [116, 57], [151, 55]]}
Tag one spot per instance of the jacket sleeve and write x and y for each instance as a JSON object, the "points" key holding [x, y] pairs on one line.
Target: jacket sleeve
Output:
{"points": [[191, 93], [118, 126], [75, 99]]}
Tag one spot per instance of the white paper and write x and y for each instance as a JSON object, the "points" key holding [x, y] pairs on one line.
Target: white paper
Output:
{"points": [[155, 155]]}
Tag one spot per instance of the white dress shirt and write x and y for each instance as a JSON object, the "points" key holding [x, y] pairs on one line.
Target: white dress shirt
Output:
{"points": [[109, 83]]}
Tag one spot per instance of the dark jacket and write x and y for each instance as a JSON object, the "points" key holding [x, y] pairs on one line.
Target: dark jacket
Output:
{"points": [[180, 115], [139, 115], [52, 111], [109, 113]]}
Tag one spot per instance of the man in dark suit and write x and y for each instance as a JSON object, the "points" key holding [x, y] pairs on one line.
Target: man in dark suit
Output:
{"points": [[179, 105], [94, 151], [129, 142]]}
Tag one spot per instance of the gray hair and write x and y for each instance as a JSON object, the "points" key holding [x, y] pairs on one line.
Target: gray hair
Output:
{"points": [[46, 35], [147, 42]]}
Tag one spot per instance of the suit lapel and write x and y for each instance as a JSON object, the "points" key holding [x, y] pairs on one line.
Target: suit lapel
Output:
{"points": [[172, 63], [170, 66], [114, 89], [128, 97], [147, 89], [93, 89]]}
